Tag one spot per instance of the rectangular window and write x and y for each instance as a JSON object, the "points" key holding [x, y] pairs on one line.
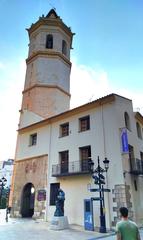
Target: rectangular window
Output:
{"points": [[131, 157], [54, 187], [141, 155], [85, 154], [64, 130], [64, 161], [135, 185], [33, 139], [84, 124]]}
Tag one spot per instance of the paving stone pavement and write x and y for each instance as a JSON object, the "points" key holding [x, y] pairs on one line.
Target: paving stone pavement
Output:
{"points": [[23, 229]]}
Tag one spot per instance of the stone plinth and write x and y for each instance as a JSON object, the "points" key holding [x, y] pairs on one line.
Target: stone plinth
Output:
{"points": [[59, 223]]}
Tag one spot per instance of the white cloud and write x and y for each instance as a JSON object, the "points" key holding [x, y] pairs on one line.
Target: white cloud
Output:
{"points": [[10, 102], [88, 84]]}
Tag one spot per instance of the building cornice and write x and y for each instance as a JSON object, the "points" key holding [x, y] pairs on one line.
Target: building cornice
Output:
{"points": [[46, 86], [50, 22], [48, 54], [97, 103]]}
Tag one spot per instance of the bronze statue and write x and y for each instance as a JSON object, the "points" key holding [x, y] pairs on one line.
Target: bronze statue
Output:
{"points": [[60, 203]]}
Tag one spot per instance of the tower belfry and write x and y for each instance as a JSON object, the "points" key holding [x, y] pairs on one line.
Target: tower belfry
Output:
{"points": [[47, 82]]}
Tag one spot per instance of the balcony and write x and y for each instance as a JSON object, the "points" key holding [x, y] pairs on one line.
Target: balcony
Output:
{"points": [[136, 166], [72, 168]]}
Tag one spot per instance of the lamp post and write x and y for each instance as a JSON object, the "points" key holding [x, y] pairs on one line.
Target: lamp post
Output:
{"points": [[3, 182], [99, 179]]}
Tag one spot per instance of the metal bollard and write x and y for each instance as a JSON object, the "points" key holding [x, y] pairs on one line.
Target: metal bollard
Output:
{"points": [[6, 218]]}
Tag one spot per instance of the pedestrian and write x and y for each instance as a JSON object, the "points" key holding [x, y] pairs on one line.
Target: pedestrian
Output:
{"points": [[126, 229]]}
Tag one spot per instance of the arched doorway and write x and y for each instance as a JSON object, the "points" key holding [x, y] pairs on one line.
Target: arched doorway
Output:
{"points": [[27, 201]]}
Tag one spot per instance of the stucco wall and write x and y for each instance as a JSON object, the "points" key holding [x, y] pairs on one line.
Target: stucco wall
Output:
{"points": [[104, 138]]}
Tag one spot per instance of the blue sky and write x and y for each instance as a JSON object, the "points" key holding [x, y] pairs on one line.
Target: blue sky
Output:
{"points": [[107, 55]]}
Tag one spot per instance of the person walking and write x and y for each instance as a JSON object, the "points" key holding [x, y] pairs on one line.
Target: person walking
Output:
{"points": [[126, 229]]}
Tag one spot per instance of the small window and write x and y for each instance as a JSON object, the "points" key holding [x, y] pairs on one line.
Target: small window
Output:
{"points": [[49, 41], [33, 139], [64, 161], [64, 130], [135, 185], [139, 133], [54, 187], [141, 155], [64, 156], [85, 154], [64, 47], [84, 123], [127, 121]]}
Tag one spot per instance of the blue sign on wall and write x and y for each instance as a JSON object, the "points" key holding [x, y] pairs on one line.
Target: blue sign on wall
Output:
{"points": [[124, 139], [88, 215]]}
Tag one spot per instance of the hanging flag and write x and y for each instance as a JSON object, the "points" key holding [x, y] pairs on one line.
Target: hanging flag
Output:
{"points": [[124, 140]]}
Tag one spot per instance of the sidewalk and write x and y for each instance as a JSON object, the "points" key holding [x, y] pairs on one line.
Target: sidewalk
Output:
{"points": [[24, 229]]}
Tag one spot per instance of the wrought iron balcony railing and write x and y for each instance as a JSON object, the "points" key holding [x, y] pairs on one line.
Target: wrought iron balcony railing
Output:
{"points": [[136, 166], [70, 168]]}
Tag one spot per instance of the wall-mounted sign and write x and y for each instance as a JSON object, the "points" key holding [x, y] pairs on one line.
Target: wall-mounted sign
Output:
{"points": [[124, 140], [41, 195], [88, 215]]}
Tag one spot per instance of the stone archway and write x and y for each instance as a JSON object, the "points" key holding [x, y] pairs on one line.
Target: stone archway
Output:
{"points": [[27, 200]]}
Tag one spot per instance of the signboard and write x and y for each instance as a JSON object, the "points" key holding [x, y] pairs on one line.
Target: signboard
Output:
{"points": [[41, 195], [96, 199], [88, 215], [100, 190], [124, 140]]}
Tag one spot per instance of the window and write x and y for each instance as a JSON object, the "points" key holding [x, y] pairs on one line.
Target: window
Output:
{"points": [[85, 154], [84, 123], [139, 133], [64, 161], [64, 130], [127, 121], [33, 139], [54, 187], [131, 157], [135, 185], [64, 47], [141, 155], [49, 41]]}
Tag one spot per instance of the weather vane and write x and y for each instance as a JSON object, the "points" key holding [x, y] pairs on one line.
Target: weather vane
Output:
{"points": [[52, 6]]}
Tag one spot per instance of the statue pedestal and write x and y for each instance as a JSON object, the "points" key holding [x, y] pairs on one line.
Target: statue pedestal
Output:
{"points": [[59, 223]]}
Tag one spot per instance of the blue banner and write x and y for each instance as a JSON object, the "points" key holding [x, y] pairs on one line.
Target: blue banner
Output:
{"points": [[124, 139]]}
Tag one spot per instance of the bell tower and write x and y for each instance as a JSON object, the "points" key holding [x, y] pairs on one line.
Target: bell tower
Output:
{"points": [[47, 82]]}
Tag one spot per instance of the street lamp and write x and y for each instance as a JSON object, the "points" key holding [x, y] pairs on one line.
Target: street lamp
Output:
{"points": [[99, 179], [106, 164], [3, 182]]}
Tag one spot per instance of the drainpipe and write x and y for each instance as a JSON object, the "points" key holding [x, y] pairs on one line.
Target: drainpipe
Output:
{"points": [[48, 174], [105, 155]]}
